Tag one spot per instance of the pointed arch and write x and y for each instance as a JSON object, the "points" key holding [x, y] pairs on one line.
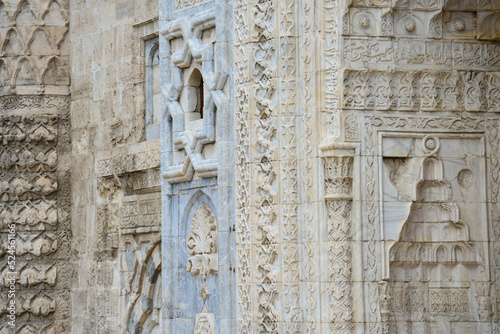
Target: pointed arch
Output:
{"points": [[152, 54], [24, 15], [55, 14], [195, 91], [13, 46], [40, 43], [26, 73], [199, 198], [60, 40], [143, 311], [440, 254], [432, 169], [458, 254], [55, 73], [5, 19], [5, 74]]}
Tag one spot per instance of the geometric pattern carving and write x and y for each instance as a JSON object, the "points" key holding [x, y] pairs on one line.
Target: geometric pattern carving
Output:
{"points": [[265, 244], [192, 51], [244, 250]]}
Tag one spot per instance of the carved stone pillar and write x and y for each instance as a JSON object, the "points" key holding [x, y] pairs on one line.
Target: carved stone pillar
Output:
{"points": [[338, 197]]}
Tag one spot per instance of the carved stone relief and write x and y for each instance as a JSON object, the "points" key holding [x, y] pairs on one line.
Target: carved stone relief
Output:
{"points": [[204, 323], [338, 196], [34, 165], [435, 252], [434, 182], [33, 48], [128, 218], [141, 265], [195, 88], [203, 247], [34, 204], [353, 61], [427, 91]]}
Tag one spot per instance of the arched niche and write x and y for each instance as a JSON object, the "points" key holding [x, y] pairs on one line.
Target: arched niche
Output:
{"points": [[54, 15], [433, 258], [153, 91], [26, 73], [12, 45], [5, 75], [25, 16], [197, 258], [198, 199], [192, 97], [55, 74]]}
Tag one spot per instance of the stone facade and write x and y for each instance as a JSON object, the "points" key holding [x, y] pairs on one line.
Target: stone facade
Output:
{"points": [[270, 166], [35, 167]]}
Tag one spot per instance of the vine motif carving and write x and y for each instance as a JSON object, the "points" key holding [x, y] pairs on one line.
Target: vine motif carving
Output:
{"points": [[385, 306], [203, 247], [338, 177], [308, 91]]}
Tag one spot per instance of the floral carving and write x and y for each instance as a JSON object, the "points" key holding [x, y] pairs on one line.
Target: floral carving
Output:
{"points": [[202, 245]]}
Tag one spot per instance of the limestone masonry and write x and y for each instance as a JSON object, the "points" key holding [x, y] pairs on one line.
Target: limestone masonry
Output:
{"points": [[250, 166]]}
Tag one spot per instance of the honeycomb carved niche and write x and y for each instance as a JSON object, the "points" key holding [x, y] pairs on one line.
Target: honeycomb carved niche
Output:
{"points": [[434, 221]]}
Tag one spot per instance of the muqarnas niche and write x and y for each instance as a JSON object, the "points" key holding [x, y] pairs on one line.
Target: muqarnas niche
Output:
{"points": [[435, 227]]}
